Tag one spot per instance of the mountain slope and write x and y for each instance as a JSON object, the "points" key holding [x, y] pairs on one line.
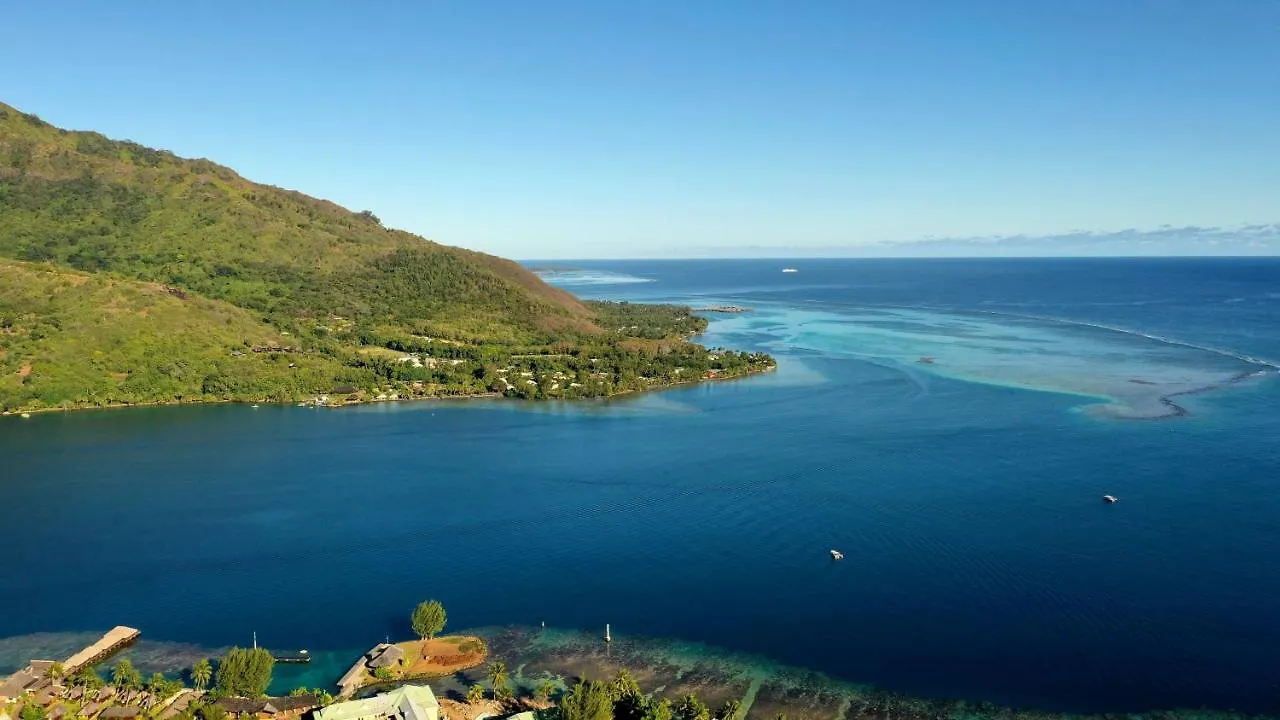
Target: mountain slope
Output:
{"points": [[100, 340], [81, 200], [131, 275]]}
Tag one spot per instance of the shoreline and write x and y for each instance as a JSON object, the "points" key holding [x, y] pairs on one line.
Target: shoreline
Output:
{"points": [[23, 413], [665, 667]]}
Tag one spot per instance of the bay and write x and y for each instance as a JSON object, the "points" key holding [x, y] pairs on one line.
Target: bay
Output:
{"points": [[949, 425]]}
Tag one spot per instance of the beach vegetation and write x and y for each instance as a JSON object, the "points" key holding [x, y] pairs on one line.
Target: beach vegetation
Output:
{"points": [[731, 710], [545, 690], [629, 703], [691, 708], [201, 674], [587, 700], [56, 670], [244, 672], [32, 711], [125, 676], [658, 709], [428, 619], [498, 679], [87, 677], [475, 694], [210, 711]]}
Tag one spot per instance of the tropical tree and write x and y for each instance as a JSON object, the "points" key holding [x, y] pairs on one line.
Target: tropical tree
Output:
{"points": [[691, 708], [475, 694], [658, 710], [498, 678], [56, 670], [125, 676], [244, 672], [629, 703], [211, 712], [32, 711], [201, 673], [545, 690], [428, 619], [730, 710], [87, 677], [587, 700], [624, 685]]}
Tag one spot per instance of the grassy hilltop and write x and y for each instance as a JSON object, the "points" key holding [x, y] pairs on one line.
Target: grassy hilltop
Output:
{"points": [[130, 275]]}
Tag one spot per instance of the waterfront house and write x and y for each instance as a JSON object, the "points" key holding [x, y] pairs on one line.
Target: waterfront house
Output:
{"points": [[384, 655], [105, 693], [271, 708], [58, 713], [90, 709], [17, 683], [46, 695], [120, 712], [408, 702]]}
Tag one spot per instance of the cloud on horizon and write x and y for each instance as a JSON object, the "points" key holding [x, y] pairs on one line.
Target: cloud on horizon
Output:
{"points": [[1247, 240]]}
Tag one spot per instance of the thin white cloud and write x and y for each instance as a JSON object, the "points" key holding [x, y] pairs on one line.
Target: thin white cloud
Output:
{"points": [[1165, 240]]}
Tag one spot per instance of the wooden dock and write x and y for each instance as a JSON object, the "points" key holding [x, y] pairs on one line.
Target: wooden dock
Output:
{"points": [[116, 638], [356, 676]]}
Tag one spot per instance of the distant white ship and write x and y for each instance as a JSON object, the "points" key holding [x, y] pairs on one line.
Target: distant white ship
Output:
{"points": [[789, 270]]}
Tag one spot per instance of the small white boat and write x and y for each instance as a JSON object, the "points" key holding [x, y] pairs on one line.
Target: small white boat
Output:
{"points": [[1110, 498], [837, 555], [26, 416], [789, 270]]}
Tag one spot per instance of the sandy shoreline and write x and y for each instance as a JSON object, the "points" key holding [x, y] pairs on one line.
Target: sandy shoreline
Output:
{"points": [[492, 396]]}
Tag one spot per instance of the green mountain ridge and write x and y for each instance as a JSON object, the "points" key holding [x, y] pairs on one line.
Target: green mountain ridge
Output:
{"points": [[133, 275]]}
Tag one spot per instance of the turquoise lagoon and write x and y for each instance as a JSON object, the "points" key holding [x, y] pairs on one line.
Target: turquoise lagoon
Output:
{"points": [[949, 425]]}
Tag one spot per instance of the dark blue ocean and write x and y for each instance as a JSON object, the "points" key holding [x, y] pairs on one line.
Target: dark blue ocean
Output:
{"points": [[950, 425]]}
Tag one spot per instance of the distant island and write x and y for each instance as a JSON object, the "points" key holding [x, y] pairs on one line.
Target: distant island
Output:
{"points": [[130, 276]]}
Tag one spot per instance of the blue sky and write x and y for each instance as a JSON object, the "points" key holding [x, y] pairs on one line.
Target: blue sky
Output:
{"points": [[705, 127]]}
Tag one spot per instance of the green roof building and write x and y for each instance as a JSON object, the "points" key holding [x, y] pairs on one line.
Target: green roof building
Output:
{"points": [[410, 702]]}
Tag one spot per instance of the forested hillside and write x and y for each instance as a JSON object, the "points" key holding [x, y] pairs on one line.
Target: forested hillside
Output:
{"points": [[127, 255]]}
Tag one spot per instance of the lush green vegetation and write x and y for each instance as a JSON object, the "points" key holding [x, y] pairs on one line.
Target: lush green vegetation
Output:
{"points": [[130, 275], [428, 619], [244, 672], [201, 674], [125, 676], [499, 681]]}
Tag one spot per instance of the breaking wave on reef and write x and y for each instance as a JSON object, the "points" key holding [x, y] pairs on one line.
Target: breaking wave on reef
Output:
{"points": [[575, 277], [1135, 375]]}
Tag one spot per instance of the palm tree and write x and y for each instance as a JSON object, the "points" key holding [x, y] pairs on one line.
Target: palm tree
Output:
{"points": [[546, 689], [201, 674], [56, 670], [475, 694], [124, 675], [498, 677]]}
